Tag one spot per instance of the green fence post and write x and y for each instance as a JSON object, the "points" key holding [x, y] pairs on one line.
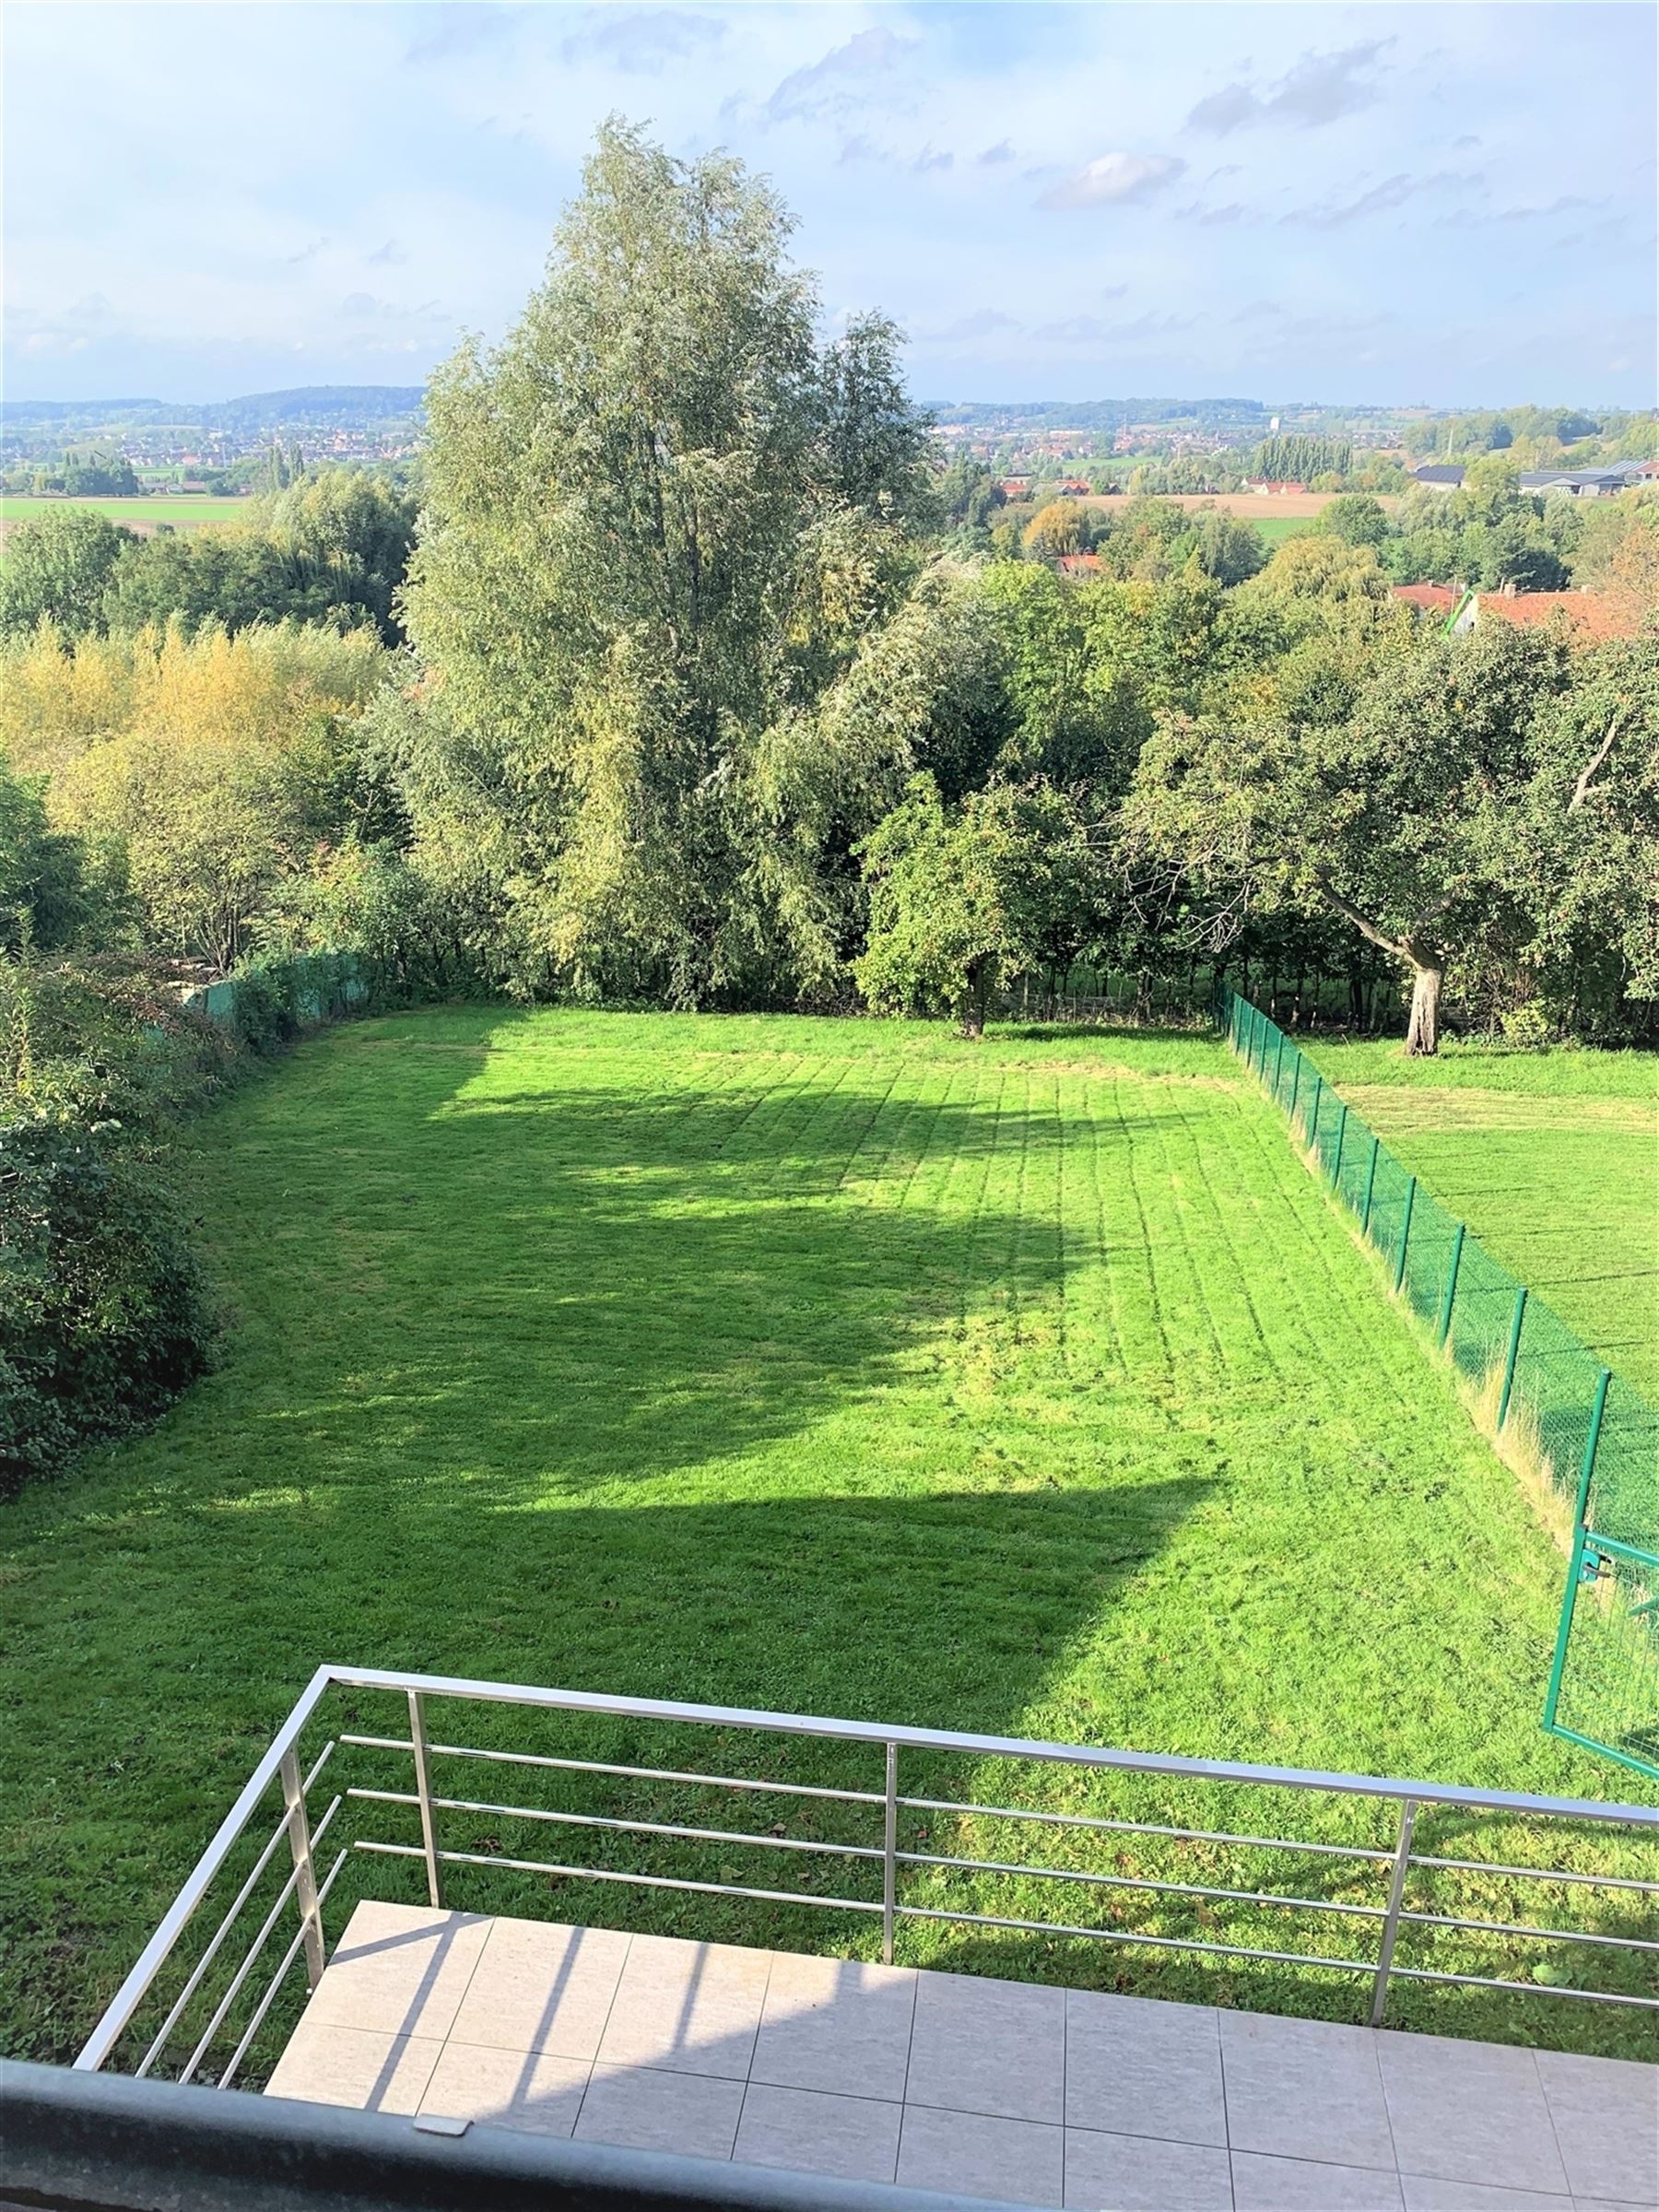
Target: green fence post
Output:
{"points": [[1515, 1353], [1371, 1184], [1598, 1406], [1278, 1062], [1295, 1086], [1451, 1290], [1558, 1666], [1318, 1097], [1404, 1232], [1341, 1132]]}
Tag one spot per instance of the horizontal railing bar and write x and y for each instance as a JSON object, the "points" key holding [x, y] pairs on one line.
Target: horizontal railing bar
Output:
{"points": [[599, 1766], [1522, 1989], [634, 1828], [1145, 1828], [1504, 1927], [990, 1746], [1540, 1874], [1160, 1943], [242, 1971], [122, 2006], [608, 1874], [1127, 1881], [208, 1956], [277, 1979]]}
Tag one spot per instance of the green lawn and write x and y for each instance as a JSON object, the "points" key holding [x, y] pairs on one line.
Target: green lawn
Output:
{"points": [[1277, 528], [152, 508], [1030, 1385], [1552, 1158]]}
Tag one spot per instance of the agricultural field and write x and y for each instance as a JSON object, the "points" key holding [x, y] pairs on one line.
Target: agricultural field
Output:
{"points": [[184, 511], [1029, 1385], [1258, 507], [1552, 1160]]}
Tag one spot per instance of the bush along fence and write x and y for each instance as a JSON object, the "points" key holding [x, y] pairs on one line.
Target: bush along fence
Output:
{"points": [[263, 1004], [1550, 1404]]}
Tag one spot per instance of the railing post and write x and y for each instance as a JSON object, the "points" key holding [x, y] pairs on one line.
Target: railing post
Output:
{"points": [[423, 1785], [1451, 1290], [1295, 1087], [890, 1855], [1587, 1466], [1318, 1101], [1404, 1232], [305, 1872], [1371, 1184], [1390, 1919], [1278, 1065], [1512, 1355], [1336, 1163]]}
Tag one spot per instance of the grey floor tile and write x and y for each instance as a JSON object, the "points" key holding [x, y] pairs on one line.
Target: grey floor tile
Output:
{"points": [[645, 2110], [965, 2154], [534, 2091], [358, 2068], [992, 2047], [1139, 2173], [854, 2138], [1607, 2121], [1304, 2089], [836, 2024], [399, 1970], [1135, 2066], [1428, 2192], [1267, 2184], [689, 2007], [1469, 2111], [539, 1986]]}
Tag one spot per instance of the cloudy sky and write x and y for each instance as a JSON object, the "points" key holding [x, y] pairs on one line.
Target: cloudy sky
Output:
{"points": [[1446, 203]]}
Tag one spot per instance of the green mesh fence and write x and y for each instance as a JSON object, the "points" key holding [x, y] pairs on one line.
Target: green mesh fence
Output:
{"points": [[1592, 1437]]}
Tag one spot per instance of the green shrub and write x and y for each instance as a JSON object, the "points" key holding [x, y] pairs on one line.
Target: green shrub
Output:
{"points": [[104, 1313]]}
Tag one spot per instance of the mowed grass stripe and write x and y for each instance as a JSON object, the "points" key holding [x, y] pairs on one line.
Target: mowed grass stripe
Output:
{"points": [[1023, 1386]]}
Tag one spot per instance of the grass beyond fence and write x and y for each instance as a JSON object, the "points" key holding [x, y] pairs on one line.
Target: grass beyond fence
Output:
{"points": [[1584, 1435], [1551, 1157]]}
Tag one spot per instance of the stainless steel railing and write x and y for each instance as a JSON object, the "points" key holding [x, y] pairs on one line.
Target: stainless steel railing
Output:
{"points": [[1393, 1864]]}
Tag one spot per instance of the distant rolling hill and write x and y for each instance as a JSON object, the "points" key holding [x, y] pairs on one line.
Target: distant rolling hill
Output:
{"points": [[337, 405]]}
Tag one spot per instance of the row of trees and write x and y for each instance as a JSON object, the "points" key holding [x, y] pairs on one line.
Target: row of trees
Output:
{"points": [[332, 547], [698, 687]]}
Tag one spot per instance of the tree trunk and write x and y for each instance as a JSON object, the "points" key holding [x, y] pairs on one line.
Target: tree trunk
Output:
{"points": [[1422, 1030], [974, 998]]}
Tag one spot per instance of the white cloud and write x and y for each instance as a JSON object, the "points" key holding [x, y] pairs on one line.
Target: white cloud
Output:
{"points": [[1113, 179], [824, 88]]}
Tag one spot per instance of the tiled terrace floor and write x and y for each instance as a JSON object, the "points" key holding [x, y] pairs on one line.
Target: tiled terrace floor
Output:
{"points": [[943, 2081]]}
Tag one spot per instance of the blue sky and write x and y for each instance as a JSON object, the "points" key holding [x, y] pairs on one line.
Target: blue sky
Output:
{"points": [[1450, 203]]}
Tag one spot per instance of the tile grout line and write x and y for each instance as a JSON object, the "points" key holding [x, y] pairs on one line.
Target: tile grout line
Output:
{"points": [[603, 2026], [1232, 2191], [1550, 2116], [749, 2075], [1387, 2107]]}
